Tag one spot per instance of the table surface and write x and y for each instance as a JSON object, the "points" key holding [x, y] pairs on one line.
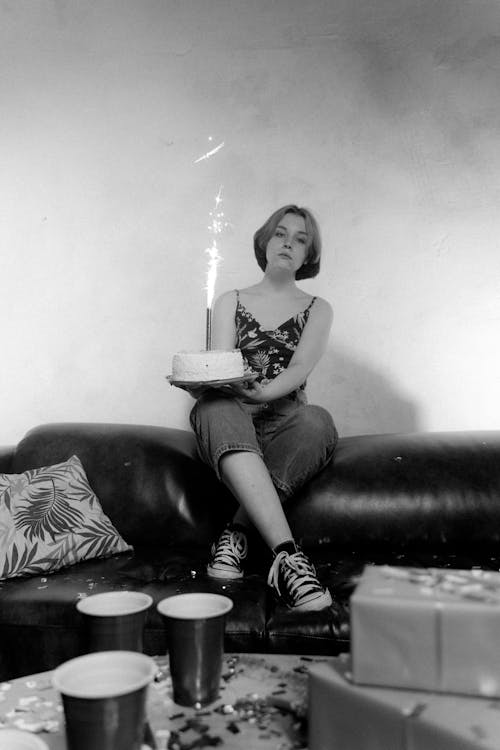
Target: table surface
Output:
{"points": [[262, 705]]}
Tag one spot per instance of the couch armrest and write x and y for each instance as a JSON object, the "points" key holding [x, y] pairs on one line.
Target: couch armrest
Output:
{"points": [[6, 457]]}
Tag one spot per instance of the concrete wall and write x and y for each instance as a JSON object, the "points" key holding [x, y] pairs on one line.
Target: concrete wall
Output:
{"points": [[382, 116]]}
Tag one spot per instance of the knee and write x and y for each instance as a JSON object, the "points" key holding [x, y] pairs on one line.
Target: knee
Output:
{"points": [[211, 405], [205, 406], [318, 427]]}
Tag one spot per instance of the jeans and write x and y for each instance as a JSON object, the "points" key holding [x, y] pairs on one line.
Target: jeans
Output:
{"points": [[295, 439]]}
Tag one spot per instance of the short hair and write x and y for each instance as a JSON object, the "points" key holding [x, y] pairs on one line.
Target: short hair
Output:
{"points": [[310, 267]]}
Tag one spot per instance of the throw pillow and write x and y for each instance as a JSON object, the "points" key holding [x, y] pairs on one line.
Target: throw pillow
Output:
{"points": [[50, 518]]}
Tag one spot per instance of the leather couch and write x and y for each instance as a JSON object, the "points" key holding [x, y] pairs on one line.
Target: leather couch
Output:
{"points": [[422, 499]]}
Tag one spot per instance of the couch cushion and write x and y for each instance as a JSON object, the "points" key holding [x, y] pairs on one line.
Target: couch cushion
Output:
{"points": [[404, 492], [149, 479], [51, 518]]}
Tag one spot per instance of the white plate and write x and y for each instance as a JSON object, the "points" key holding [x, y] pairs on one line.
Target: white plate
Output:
{"points": [[247, 378]]}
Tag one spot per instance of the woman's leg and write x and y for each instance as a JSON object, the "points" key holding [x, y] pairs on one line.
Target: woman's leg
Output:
{"points": [[292, 575], [224, 430], [222, 424], [247, 476], [297, 440], [298, 445], [227, 440]]}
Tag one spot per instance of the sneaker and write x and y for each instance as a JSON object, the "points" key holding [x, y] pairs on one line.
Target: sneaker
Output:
{"points": [[227, 555], [293, 577]]}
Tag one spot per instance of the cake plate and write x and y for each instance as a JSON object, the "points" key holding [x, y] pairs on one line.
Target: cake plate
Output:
{"points": [[247, 378]]}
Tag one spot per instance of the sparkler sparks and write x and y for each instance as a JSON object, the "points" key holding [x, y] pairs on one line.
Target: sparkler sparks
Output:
{"points": [[210, 153], [217, 224]]}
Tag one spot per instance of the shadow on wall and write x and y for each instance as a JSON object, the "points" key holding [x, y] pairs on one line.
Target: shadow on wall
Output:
{"points": [[360, 399]]}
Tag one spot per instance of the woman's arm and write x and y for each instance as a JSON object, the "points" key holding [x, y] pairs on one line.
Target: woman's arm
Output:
{"points": [[312, 346], [223, 322]]}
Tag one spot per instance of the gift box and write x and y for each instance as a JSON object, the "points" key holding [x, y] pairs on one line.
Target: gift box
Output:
{"points": [[427, 629], [346, 716]]}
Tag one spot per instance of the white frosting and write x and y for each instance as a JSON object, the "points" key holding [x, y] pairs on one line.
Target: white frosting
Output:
{"points": [[202, 366]]}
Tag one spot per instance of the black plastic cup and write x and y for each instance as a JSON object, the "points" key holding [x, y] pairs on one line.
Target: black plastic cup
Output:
{"points": [[194, 625], [114, 620], [104, 699]]}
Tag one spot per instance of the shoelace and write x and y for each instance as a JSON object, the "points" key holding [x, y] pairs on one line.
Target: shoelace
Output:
{"points": [[231, 548], [298, 572]]}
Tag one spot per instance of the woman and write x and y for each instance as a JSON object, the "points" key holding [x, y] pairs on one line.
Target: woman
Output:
{"points": [[262, 438]]}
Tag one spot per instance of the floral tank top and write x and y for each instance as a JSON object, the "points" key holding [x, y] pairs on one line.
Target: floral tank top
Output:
{"points": [[268, 352]]}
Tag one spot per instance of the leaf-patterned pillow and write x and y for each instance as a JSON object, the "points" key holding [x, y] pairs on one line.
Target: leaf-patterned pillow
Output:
{"points": [[50, 518]]}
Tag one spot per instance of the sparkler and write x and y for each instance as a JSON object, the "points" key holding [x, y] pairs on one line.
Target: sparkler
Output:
{"points": [[215, 227]]}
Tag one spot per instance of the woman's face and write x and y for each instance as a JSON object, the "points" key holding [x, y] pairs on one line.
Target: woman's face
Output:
{"points": [[287, 248]]}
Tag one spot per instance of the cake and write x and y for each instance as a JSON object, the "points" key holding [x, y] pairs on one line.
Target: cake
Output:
{"points": [[203, 366]]}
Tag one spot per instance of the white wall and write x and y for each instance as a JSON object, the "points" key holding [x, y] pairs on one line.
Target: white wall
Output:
{"points": [[382, 116]]}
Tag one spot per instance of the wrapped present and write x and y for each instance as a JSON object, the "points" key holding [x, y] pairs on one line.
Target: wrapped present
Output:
{"points": [[427, 629], [346, 716]]}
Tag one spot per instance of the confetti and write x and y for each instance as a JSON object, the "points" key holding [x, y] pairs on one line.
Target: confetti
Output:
{"points": [[415, 711], [28, 701]]}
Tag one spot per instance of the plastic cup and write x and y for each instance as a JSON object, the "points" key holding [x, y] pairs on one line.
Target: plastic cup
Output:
{"points": [[114, 621], [194, 625], [15, 739], [104, 699]]}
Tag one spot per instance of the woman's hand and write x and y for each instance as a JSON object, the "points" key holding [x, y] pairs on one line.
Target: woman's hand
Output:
{"points": [[251, 392]]}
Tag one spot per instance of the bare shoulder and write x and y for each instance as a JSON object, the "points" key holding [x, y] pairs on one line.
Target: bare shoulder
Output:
{"points": [[322, 309], [253, 290], [226, 301]]}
